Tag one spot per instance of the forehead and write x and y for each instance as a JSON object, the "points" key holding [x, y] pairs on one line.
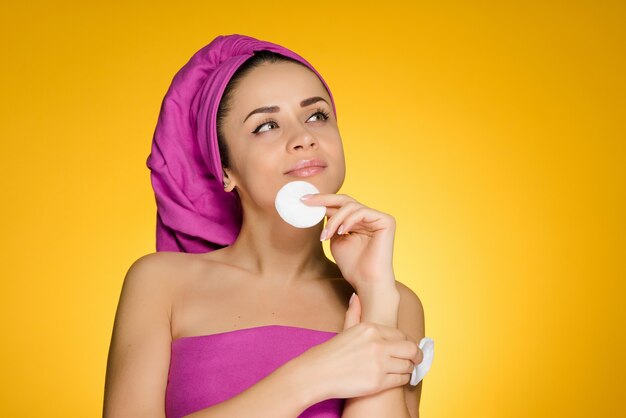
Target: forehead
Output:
{"points": [[271, 83]]}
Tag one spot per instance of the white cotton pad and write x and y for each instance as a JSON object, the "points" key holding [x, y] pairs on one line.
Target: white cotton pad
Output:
{"points": [[427, 345], [293, 210]]}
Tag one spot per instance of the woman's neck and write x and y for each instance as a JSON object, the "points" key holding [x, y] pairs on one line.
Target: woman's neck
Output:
{"points": [[271, 249]]}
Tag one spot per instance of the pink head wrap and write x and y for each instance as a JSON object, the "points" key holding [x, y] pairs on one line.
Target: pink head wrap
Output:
{"points": [[194, 213]]}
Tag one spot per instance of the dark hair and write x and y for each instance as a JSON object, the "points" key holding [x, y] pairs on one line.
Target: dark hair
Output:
{"points": [[259, 57]]}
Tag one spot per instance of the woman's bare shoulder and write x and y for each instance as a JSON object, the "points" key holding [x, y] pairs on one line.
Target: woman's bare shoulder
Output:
{"points": [[163, 269], [178, 270], [158, 264]]}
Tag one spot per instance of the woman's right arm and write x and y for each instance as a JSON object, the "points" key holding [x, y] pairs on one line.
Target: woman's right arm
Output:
{"points": [[139, 354], [284, 393], [139, 357]]}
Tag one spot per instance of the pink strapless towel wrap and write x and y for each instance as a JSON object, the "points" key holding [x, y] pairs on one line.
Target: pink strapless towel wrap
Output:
{"points": [[208, 369], [194, 213]]}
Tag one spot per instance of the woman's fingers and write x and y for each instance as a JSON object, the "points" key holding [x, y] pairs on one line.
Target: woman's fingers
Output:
{"points": [[341, 219], [338, 207], [400, 365], [335, 221], [353, 314], [358, 215], [400, 346], [392, 380], [386, 332], [408, 350], [327, 199]]}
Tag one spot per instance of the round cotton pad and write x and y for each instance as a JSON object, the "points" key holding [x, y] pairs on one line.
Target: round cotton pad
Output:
{"points": [[293, 210], [427, 345]]}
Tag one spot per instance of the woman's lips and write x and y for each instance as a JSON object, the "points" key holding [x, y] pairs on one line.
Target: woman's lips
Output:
{"points": [[306, 171]]}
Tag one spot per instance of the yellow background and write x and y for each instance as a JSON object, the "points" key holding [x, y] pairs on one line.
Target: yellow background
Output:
{"points": [[493, 131]]}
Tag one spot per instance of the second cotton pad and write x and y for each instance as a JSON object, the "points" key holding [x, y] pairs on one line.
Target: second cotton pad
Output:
{"points": [[293, 210], [427, 345]]}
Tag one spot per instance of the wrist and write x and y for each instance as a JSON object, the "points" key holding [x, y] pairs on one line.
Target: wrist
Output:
{"points": [[388, 289], [304, 383], [380, 306], [384, 282]]}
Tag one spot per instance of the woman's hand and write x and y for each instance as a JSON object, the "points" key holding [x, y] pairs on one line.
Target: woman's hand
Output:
{"points": [[365, 358], [363, 247]]}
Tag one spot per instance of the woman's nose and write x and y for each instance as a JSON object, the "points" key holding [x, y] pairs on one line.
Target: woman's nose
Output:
{"points": [[304, 139]]}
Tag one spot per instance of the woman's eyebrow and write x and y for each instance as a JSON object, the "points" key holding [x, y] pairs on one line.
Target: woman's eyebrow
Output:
{"points": [[274, 109]]}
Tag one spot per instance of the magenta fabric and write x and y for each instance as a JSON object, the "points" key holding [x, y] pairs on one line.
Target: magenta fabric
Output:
{"points": [[208, 369], [194, 213]]}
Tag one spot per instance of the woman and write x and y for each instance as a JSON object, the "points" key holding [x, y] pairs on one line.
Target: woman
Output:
{"points": [[238, 313]]}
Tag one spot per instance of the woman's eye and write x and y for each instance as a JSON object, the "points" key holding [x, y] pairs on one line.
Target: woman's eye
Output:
{"points": [[258, 128], [269, 122], [322, 113]]}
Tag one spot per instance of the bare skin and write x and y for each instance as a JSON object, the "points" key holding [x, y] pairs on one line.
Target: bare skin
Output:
{"points": [[273, 274], [212, 295]]}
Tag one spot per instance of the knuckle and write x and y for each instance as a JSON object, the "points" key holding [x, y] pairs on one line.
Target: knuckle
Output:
{"points": [[365, 325], [349, 198], [351, 204], [369, 329]]}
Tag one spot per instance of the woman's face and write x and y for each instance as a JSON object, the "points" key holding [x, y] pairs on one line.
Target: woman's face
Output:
{"points": [[265, 144]]}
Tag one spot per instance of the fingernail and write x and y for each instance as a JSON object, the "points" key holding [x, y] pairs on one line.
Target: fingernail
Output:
{"points": [[323, 236], [351, 298], [305, 197], [340, 230]]}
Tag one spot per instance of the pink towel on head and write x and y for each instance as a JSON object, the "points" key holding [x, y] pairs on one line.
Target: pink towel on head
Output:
{"points": [[194, 213]]}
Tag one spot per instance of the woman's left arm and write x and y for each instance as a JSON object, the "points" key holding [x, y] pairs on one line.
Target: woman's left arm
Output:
{"points": [[361, 241], [411, 322], [399, 307]]}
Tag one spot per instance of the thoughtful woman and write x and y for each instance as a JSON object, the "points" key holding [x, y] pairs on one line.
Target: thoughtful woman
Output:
{"points": [[238, 313]]}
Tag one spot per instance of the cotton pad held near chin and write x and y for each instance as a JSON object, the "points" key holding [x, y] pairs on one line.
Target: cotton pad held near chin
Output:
{"points": [[293, 210], [427, 345]]}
